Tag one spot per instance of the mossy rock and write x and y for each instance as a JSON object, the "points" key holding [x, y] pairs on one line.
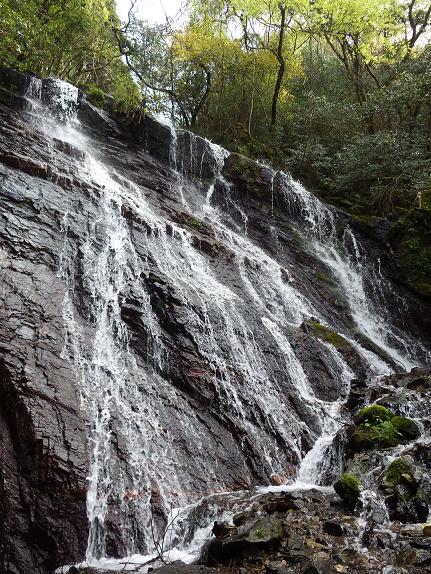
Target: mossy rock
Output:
{"points": [[407, 427], [318, 330], [13, 81], [373, 414], [382, 435], [348, 488], [396, 472], [265, 530], [377, 426], [252, 177], [328, 279], [191, 221], [370, 225]]}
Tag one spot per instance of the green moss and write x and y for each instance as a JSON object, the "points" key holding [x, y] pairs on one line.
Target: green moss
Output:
{"points": [[153, 278], [325, 278], [249, 173], [377, 426], [366, 223], [394, 472], [245, 168], [385, 434], [195, 223], [407, 427], [373, 414], [382, 435], [321, 332], [266, 529], [348, 488]]}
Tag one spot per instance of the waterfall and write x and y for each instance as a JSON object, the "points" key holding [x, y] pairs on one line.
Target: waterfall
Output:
{"points": [[362, 283], [241, 318]]}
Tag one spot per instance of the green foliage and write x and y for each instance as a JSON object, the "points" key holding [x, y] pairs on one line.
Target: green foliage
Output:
{"points": [[410, 239], [348, 488], [95, 95], [71, 39]]}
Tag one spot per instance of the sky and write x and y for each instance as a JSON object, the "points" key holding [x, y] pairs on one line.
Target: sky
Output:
{"points": [[153, 11]]}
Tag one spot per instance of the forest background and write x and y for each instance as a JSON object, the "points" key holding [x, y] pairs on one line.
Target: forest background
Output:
{"points": [[336, 92]]}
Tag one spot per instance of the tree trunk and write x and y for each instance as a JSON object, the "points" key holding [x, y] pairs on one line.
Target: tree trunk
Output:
{"points": [[282, 66]]}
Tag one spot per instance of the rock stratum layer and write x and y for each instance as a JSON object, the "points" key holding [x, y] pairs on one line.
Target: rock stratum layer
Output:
{"points": [[176, 321]]}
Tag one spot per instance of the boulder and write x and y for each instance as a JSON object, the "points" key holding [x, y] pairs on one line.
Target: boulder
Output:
{"points": [[377, 426], [250, 540], [348, 488], [404, 499]]}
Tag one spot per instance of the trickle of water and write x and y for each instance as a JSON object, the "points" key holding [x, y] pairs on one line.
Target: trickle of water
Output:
{"points": [[372, 511], [358, 282]]}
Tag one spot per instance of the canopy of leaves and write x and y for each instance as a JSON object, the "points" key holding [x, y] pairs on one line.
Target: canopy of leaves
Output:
{"points": [[70, 39]]}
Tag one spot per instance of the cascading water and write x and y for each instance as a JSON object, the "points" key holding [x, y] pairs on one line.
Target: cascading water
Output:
{"points": [[360, 284], [138, 422]]}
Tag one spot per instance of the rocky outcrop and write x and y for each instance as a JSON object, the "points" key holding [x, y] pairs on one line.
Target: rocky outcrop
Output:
{"points": [[315, 535], [397, 475]]}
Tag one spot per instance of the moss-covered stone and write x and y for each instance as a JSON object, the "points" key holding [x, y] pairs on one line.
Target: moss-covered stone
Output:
{"points": [[191, 221], [377, 426], [318, 330], [250, 176], [267, 529], [373, 414], [370, 225], [328, 279], [382, 435], [405, 500], [407, 427], [395, 471], [348, 488]]}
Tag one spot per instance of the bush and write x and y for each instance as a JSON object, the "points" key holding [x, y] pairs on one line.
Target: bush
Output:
{"points": [[95, 95]]}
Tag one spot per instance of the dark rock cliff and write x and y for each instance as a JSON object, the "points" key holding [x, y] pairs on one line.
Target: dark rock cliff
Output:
{"points": [[50, 221]]}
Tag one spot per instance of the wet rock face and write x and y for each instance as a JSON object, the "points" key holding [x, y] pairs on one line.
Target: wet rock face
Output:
{"points": [[198, 440], [42, 434]]}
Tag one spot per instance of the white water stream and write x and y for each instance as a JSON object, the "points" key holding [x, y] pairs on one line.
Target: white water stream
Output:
{"points": [[135, 455]]}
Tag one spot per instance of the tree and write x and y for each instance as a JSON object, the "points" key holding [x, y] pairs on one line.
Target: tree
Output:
{"points": [[70, 39]]}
